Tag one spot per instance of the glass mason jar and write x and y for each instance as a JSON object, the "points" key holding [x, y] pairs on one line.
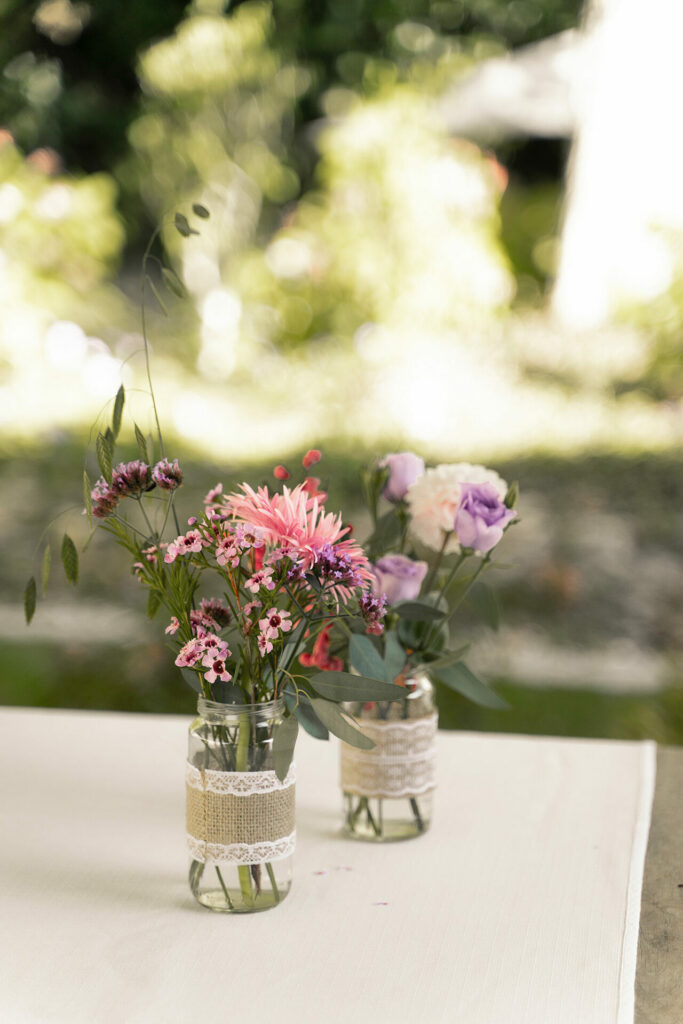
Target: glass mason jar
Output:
{"points": [[240, 817], [388, 790]]}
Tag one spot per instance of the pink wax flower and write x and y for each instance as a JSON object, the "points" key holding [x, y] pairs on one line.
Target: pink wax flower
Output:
{"points": [[173, 625], [404, 470], [399, 578], [189, 543], [262, 578], [481, 517], [250, 608], [227, 552], [274, 623], [216, 669], [264, 644], [190, 653], [214, 495]]}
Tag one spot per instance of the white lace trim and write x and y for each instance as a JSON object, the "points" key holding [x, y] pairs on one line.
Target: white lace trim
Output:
{"points": [[238, 783], [242, 853], [402, 763]]}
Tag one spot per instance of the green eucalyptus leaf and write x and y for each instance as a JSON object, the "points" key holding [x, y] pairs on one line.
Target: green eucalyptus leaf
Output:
{"points": [[395, 656], [338, 724], [227, 693], [300, 705], [69, 559], [418, 610], [200, 211], [284, 741], [446, 659], [104, 457], [30, 600], [460, 678], [118, 410], [45, 568], [365, 658], [338, 686], [142, 444], [192, 679]]}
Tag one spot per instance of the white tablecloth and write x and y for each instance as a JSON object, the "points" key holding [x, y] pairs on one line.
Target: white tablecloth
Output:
{"points": [[520, 906]]}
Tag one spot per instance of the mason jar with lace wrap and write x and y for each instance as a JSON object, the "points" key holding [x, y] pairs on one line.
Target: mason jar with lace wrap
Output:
{"points": [[388, 790], [240, 816]]}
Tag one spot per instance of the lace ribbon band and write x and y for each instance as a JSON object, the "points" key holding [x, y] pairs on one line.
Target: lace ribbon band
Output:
{"points": [[401, 764], [241, 817]]}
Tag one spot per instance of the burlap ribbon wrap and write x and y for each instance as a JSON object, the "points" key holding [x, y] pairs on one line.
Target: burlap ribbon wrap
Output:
{"points": [[401, 764], [240, 817]]}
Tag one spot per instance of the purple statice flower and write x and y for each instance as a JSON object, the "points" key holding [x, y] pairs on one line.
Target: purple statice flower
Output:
{"points": [[335, 567], [131, 479], [104, 499], [373, 609], [399, 578], [481, 517], [167, 475], [404, 469]]}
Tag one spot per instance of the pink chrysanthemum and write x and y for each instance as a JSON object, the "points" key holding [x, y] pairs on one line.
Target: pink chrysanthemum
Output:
{"points": [[298, 522]]}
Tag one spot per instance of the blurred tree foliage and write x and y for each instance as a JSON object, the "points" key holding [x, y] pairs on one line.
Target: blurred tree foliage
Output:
{"points": [[69, 78]]}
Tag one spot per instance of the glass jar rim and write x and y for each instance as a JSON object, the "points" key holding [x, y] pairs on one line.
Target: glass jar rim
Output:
{"points": [[216, 709]]}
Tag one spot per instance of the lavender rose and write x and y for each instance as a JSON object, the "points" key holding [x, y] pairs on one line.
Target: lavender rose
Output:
{"points": [[398, 578], [481, 517], [404, 469]]}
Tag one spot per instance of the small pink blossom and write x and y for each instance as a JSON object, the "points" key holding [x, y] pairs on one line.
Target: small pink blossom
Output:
{"points": [[227, 552], [173, 625], [250, 608], [310, 458], [188, 543], [216, 669], [150, 554], [213, 496], [247, 536], [190, 653], [262, 578], [213, 644], [274, 622], [264, 644]]}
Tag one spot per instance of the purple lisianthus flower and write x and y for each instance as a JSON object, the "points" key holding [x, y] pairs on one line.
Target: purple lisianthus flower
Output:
{"points": [[481, 517], [404, 469], [398, 578]]}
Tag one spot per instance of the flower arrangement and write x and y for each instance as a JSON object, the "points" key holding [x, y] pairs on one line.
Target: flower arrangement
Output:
{"points": [[448, 514], [436, 520], [253, 586]]}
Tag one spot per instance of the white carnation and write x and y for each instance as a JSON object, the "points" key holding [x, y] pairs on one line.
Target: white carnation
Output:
{"points": [[434, 498]]}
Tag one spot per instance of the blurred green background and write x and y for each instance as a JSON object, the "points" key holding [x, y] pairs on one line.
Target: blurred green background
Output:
{"points": [[370, 279]]}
